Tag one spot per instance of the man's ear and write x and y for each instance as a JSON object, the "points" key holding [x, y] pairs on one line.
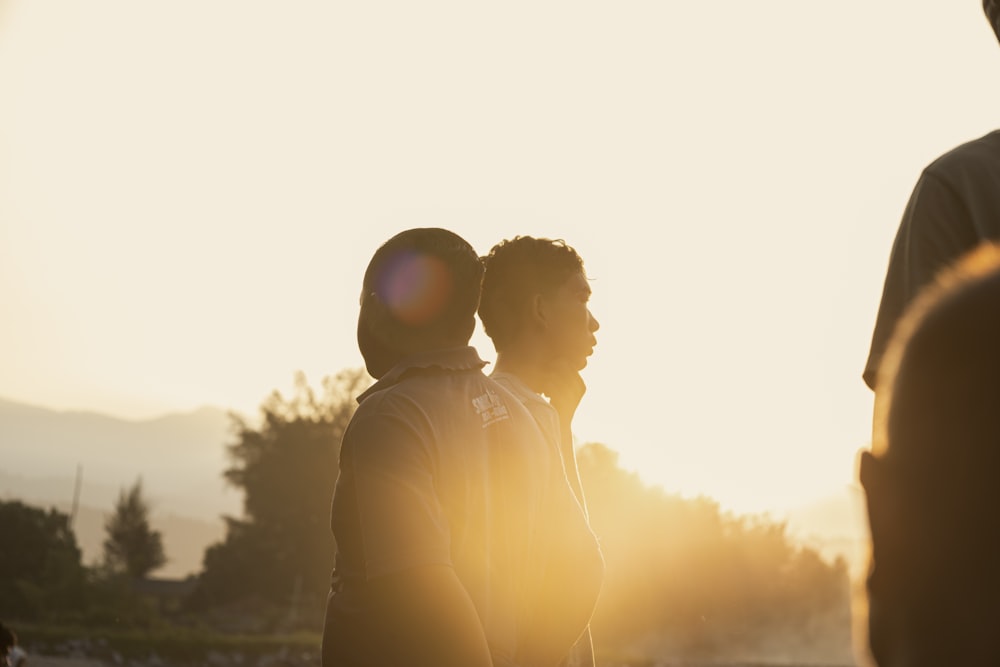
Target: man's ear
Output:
{"points": [[883, 502], [870, 474], [539, 311], [868, 470]]}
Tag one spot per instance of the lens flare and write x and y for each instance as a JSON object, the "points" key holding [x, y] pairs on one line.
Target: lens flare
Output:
{"points": [[415, 287]]}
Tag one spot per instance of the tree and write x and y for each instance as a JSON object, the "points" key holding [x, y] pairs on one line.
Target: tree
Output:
{"points": [[684, 580], [40, 566], [131, 547], [287, 466]]}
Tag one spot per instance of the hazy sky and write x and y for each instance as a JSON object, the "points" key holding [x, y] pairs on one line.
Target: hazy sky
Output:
{"points": [[190, 191]]}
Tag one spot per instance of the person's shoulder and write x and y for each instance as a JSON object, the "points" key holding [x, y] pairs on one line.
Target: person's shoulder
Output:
{"points": [[508, 404], [513, 385], [980, 152], [430, 393], [17, 657], [505, 394], [374, 402]]}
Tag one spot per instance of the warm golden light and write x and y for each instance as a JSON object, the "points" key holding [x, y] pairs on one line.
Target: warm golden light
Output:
{"points": [[189, 194]]}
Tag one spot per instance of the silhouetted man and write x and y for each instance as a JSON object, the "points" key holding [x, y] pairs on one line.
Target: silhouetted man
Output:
{"points": [[953, 207], [8, 640], [534, 308], [932, 481], [458, 539]]}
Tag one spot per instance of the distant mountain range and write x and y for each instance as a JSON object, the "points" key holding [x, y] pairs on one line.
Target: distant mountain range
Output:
{"points": [[180, 458]]}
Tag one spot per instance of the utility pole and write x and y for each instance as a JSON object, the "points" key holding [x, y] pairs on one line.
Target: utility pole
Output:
{"points": [[76, 494]]}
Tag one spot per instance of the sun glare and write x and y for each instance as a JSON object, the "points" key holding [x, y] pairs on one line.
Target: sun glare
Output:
{"points": [[415, 287]]}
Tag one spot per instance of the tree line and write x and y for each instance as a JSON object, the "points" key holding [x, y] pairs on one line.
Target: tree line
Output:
{"points": [[683, 578]]}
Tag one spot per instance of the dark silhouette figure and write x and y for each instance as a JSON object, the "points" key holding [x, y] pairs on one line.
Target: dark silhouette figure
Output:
{"points": [[954, 205], [932, 480], [10, 653], [458, 541], [7, 641], [534, 308]]}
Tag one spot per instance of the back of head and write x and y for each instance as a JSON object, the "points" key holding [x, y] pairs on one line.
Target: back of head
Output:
{"points": [[933, 480], [516, 270], [941, 379], [425, 282]]}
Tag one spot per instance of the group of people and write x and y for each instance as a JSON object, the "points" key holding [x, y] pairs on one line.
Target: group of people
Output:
{"points": [[932, 476], [459, 516]]}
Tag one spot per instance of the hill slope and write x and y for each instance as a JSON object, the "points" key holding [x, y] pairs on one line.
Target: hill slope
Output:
{"points": [[180, 458]]}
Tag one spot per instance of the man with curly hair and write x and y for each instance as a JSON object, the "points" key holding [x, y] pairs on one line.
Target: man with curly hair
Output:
{"points": [[534, 306]]}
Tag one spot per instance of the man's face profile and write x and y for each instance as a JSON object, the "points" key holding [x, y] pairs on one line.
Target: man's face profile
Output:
{"points": [[571, 326]]}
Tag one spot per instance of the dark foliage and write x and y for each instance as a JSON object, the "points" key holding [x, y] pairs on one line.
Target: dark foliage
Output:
{"points": [[131, 547], [282, 549], [40, 565]]}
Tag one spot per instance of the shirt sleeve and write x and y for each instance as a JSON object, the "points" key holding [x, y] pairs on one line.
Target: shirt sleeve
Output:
{"points": [[402, 523], [934, 232]]}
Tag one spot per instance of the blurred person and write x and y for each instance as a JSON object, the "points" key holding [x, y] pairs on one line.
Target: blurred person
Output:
{"points": [[932, 479], [459, 542], [11, 653], [534, 307], [7, 641], [954, 205]]}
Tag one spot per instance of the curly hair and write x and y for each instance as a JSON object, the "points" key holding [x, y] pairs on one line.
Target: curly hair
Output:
{"points": [[516, 270]]}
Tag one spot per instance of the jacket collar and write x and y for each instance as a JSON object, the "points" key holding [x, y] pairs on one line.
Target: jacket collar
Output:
{"points": [[452, 359]]}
